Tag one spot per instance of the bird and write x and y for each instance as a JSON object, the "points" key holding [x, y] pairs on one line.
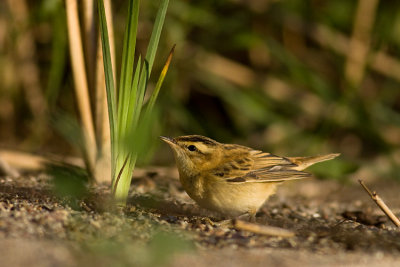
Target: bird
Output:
{"points": [[232, 179]]}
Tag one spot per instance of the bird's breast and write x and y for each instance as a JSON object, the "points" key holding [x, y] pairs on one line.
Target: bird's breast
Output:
{"points": [[192, 184]]}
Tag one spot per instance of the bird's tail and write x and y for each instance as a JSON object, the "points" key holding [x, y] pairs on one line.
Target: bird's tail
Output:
{"points": [[304, 162]]}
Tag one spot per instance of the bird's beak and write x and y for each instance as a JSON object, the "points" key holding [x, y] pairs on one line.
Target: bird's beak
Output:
{"points": [[168, 140]]}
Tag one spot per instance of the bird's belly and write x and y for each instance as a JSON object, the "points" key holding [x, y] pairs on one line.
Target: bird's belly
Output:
{"points": [[235, 199]]}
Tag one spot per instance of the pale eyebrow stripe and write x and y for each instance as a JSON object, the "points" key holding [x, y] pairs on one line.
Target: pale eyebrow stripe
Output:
{"points": [[199, 139]]}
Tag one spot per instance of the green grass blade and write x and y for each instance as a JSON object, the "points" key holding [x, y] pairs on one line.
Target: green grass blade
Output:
{"points": [[160, 81], [121, 187], [132, 102], [125, 131], [58, 56], [142, 84], [108, 72], [150, 54], [130, 130], [125, 92], [125, 146], [128, 58], [155, 35]]}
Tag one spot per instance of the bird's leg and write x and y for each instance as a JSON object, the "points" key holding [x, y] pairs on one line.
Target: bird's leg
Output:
{"points": [[209, 221], [252, 215], [223, 223], [249, 215]]}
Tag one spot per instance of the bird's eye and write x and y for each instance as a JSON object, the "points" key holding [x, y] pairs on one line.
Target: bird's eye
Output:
{"points": [[192, 148]]}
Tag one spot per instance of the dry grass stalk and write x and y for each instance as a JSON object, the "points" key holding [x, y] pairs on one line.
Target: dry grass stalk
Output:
{"points": [[27, 67], [385, 64], [379, 61], [327, 37], [261, 229], [223, 67], [242, 75], [89, 39], [24, 161], [6, 169], [81, 85], [103, 165], [360, 41], [102, 123], [381, 204]]}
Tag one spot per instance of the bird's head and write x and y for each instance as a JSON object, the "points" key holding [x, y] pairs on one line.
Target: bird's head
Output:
{"points": [[194, 153]]}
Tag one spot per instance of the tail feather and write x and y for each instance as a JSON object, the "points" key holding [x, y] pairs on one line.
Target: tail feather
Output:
{"points": [[304, 162]]}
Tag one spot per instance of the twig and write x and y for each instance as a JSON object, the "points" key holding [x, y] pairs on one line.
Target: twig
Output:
{"points": [[262, 229], [381, 204]]}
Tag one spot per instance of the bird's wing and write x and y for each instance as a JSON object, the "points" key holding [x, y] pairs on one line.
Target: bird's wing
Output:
{"points": [[259, 167]]}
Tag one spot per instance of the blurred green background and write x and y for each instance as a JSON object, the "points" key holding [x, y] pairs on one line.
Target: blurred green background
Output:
{"points": [[290, 77]]}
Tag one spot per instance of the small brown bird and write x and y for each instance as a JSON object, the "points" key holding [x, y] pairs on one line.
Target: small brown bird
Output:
{"points": [[233, 179]]}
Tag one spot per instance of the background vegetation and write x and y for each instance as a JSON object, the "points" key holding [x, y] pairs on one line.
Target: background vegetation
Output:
{"points": [[291, 77]]}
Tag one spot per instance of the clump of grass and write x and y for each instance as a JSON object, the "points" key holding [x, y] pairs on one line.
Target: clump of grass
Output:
{"points": [[129, 117]]}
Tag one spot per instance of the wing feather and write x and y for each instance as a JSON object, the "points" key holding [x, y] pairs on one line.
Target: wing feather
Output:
{"points": [[259, 167]]}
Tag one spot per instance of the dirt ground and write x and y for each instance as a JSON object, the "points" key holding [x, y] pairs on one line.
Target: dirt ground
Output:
{"points": [[334, 225]]}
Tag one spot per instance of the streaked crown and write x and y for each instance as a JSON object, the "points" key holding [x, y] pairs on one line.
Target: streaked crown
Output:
{"points": [[195, 150]]}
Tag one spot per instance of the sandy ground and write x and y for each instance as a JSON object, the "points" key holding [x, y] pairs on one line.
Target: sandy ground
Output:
{"points": [[333, 224]]}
